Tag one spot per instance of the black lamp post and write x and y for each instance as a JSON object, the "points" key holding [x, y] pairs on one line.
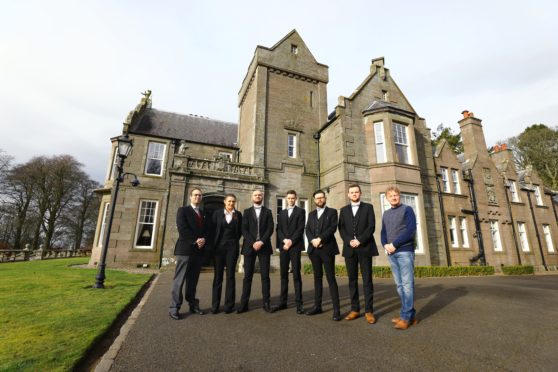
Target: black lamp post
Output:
{"points": [[125, 145]]}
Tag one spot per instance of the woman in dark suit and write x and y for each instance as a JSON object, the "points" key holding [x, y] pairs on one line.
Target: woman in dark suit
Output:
{"points": [[228, 230]]}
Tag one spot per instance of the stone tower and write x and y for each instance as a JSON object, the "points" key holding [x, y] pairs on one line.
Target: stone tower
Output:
{"points": [[283, 102]]}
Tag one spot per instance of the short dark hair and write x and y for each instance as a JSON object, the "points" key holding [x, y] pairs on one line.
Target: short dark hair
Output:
{"points": [[291, 192], [194, 189], [355, 185], [318, 192], [230, 196]]}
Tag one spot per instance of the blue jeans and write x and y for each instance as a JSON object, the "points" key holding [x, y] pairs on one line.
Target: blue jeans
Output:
{"points": [[403, 271]]}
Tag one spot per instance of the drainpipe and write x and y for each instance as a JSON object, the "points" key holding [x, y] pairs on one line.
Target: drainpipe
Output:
{"points": [[507, 187], [474, 211], [317, 137], [529, 191]]}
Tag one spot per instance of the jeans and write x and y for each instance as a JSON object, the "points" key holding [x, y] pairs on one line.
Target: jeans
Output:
{"points": [[403, 270]]}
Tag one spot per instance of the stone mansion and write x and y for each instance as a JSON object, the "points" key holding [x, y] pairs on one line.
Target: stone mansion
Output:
{"points": [[285, 139]]}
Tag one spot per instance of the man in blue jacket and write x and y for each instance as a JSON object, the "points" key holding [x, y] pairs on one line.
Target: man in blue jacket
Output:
{"points": [[398, 238]]}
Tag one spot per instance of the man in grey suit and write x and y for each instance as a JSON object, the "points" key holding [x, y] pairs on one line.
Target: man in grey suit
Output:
{"points": [[189, 251]]}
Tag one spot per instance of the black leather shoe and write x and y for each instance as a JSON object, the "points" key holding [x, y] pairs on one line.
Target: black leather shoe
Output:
{"points": [[279, 307], [214, 311], [336, 316], [242, 309], [228, 311], [314, 311], [267, 307], [174, 314], [299, 309], [195, 307]]}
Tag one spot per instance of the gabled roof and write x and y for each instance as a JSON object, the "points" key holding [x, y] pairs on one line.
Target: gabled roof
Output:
{"points": [[186, 127]]}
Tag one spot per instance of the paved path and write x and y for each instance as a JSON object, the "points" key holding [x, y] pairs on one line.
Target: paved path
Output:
{"points": [[467, 324]]}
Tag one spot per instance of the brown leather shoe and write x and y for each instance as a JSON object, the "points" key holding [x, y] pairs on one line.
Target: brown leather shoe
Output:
{"points": [[370, 318], [352, 315], [395, 320], [405, 324]]}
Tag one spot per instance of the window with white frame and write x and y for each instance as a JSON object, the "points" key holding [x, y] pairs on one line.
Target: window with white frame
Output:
{"points": [[411, 201], [380, 142], [145, 229], [495, 234], [101, 237], [514, 193], [538, 196], [455, 181], [445, 180], [401, 143], [155, 156], [291, 145], [453, 231], [463, 230], [548, 238], [523, 239], [303, 203], [114, 164]]}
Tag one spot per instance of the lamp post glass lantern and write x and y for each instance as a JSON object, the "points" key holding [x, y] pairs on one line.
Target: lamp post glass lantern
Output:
{"points": [[124, 147]]}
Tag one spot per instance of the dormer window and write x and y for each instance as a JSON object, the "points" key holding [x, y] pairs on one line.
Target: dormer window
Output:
{"points": [[294, 49]]}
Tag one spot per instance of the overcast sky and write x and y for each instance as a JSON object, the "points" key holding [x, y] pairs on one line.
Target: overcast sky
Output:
{"points": [[70, 71]]}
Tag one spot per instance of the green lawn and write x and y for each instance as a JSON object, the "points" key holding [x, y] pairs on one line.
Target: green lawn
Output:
{"points": [[50, 315]]}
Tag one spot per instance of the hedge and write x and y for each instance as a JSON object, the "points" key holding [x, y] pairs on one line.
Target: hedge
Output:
{"points": [[420, 271], [518, 270]]}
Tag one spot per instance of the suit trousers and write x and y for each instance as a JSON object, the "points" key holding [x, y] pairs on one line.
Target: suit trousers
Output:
{"points": [[187, 272], [322, 262], [291, 256], [249, 266], [352, 264], [227, 258]]}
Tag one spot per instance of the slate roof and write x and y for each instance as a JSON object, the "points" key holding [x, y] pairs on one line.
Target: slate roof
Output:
{"points": [[186, 127]]}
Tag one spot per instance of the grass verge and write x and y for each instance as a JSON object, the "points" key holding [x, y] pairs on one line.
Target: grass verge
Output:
{"points": [[50, 315]]}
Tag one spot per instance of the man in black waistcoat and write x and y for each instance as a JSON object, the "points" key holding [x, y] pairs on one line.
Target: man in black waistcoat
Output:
{"points": [[290, 234], [322, 248], [228, 230], [257, 228], [356, 227], [189, 251]]}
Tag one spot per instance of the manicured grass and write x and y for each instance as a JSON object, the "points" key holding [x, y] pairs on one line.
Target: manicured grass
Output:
{"points": [[50, 315]]}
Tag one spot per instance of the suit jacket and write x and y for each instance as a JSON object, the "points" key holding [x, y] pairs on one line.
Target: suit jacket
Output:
{"points": [[250, 230], [189, 232], [323, 228], [291, 228], [219, 220], [361, 226]]}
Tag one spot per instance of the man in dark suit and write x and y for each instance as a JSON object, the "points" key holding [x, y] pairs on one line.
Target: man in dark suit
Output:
{"points": [[356, 226], [227, 224], [257, 228], [322, 248], [290, 233], [189, 251]]}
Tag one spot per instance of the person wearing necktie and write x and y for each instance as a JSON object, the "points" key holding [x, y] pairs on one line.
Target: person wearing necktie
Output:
{"points": [[290, 233], [228, 230], [189, 251], [357, 223], [257, 228], [322, 248]]}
